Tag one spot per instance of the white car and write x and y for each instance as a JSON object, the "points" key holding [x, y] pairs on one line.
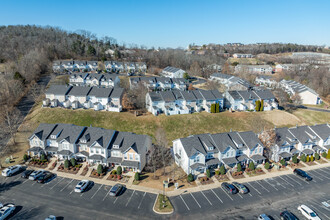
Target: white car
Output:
{"points": [[263, 217], [9, 171], [51, 217], [308, 212], [82, 186], [6, 210], [36, 174]]}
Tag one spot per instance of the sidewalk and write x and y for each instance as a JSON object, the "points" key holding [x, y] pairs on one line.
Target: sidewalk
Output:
{"points": [[177, 192]]}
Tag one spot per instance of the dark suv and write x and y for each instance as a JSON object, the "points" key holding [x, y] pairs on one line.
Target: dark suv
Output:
{"points": [[286, 215], [302, 174], [229, 188]]}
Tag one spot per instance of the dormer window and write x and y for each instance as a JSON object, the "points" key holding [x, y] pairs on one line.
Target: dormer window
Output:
{"points": [[210, 148], [83, 141], [116, 146], [53, 136]]}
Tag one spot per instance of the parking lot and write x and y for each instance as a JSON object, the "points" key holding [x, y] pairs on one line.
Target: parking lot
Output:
{"points": [[268, 195], [60, 193]]}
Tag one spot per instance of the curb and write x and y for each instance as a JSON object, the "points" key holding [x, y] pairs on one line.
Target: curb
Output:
{"points": [[161, 213]]}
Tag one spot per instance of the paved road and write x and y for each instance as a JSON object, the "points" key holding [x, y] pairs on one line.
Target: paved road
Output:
{"points": [[37, 201], [25, 105], [270, 196], [314, 109]]}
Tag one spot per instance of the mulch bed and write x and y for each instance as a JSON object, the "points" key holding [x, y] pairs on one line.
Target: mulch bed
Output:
{"points": [[53, 166], [222, 178], [204, 180], [38, 165], [322, 161], [255, 172], [71, 170], [296, 165], [310, 163], [85, 171], [238, 175], [118, 178], [94, 174]]}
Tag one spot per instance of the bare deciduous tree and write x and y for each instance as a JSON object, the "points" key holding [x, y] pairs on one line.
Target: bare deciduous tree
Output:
{"points": [[268, 138], [12, 118]]}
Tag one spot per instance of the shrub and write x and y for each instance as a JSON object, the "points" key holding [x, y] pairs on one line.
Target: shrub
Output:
{"points": [[303, 158], [54, 164], [267, 166], [257, 108], [261, 105], [208, 173], [137, 176], [312, 158], [324, 154], [317, 156], [42, 157], [73, 162], [251, 166], [190, 178], [222, 170], [217, 172], [25, 157], [307, 159], [328, 155], [239, 167], [113, 172], [295, 159], [99, 169], [119, 170], [283, 162], [213, 108], [66, 164]]}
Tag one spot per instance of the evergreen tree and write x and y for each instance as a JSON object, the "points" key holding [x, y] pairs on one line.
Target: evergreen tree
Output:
{"points": [[222, 170], [212, 108], [217, 108], [190, 178], [317, 156], [251, 166], [328, 155], [66, 164], [295, 159], [312, 158], [73, 162], [208, 173], [239, 167], [261, 105], [303, 158], [42, 157], [25, 157], [307, 159], [99, 169], [283, 162], [137, 176], [267, 166], [324, 155], [119, 170], [257, 105]]}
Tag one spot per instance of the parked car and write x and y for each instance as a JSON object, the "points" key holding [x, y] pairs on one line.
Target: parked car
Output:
{"points": [[286, 215], [229, 188], [51, 217], [308, 212], [27, 173], [302, 174], [45, 177], [9, 171], [83, 185], [36, 174], [263, 217], [6, 210], [240, 187], [116, 190]]}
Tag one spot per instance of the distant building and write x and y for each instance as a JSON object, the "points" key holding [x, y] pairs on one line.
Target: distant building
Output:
{"points": [[254, 69], [230, 82], [267, 81], [159, 83], [240, 55], [182, 102], [308, 95], [173, 72], [94, 79]]}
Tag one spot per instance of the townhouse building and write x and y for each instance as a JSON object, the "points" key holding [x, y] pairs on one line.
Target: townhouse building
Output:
{"points": [[240, 55], [246, 100], [307, 95], [94, 79], [196, 153], [75, 97], [300, 140], [230, 82], [254, 69], [182, 102], [159, 83], [91, 144], [173, 72], [267, 81]]}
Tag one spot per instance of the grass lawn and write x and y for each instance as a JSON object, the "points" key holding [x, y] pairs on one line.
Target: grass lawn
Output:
{"points": [[166, 208]]}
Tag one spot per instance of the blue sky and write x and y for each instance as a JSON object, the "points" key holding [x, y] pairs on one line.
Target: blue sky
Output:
{"points": [[179, 23]]}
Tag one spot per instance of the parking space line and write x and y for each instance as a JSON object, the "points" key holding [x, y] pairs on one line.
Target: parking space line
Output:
{"points": [[278, 183], [25, 181], [107, 195], [262, 186], [34, 182], [130, 198], [115, 200], [303, 180], [206, 198], [227, 194], [254, 188], [293, 180], [270, 184], [323, 174], [17, 178], [286, 181], [66, 185], [320, 211], [57, 183], [195, 200], [96, 191], [184, 202], [217, 196], [142, 199]]}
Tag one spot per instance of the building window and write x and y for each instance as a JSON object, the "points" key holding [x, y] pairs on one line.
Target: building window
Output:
{"points": [[137, 157], [102, 151], [92, 151], [131, 156], [125, 156], [196, 160]]}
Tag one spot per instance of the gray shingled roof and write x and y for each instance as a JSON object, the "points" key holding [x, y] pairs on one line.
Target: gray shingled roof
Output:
{"points": [[250, 139], [155, 96], [196, 166], [96, 157], [100, 92], [223, 141], [65, 152], [127, 140], [102, 136], [221, 75], [235, 95], [167, 96], [117, 92], [129, 163], [303, 134], [43, 131], [171, 69], [79, 91], [283, 135], [229, 161], [285, 154], [58, 89], [257, 157], [322, 130], [69, 132]]}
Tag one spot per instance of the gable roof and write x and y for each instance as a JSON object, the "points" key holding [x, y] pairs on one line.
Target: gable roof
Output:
{"points": [[79, 91], [58, 89], [117, 92], [171, 69], [69, 132], [127, 140], [250, 139], [283, 135], [322, 130], [100, 92], [100, 135], [43, 131], [303, 134]]}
